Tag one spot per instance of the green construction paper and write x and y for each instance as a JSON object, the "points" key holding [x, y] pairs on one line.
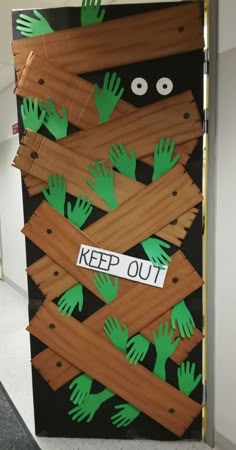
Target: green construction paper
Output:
{"points": [[155, 252], [32, 118], [186, 375], [121, 160], [163, 152], [184, 319], [91, 13], [56, 194], [163, 341], [138, 348], [117, 333], [70, 299], [104, 183], [81, 211], [125, 416], [56, 125], [30, 27], [87, 410], [104, 285], [81, 386], [107, 98]]}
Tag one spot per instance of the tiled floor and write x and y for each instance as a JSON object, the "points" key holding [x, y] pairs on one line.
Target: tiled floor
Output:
{"points": [[16, 377]]}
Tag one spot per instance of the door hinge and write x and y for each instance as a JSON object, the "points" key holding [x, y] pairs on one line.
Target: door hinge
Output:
{"points": [[205, 120], [204, 394], [206, 61]]}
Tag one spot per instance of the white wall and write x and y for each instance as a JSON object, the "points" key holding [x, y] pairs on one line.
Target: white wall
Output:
{"points": [[11, 213], [225, 296]]}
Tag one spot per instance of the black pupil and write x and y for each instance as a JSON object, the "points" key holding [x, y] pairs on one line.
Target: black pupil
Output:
{"points": [[165, 86], [139, 85]]}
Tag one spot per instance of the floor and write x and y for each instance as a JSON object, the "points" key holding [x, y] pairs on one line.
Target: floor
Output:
{"points": [[15, 375]]}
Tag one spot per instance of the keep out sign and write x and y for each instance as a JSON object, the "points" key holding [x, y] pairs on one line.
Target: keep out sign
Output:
{"points": [[122, 266]]}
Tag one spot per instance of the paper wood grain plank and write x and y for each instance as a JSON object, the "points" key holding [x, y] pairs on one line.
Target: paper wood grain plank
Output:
{"points": [[102, 361], [79, 99], [118, 42]]}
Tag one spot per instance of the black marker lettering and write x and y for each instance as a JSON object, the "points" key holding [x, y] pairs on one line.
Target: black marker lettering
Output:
{"points": [[83, 255], [158, 271], [115, 259], [105, 258], [148, 274], [129, 268], [97, 257]]}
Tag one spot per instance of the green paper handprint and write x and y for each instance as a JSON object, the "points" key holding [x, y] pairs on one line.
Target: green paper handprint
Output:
{"points": [[32, 119], [155, 252], [184, 319], [81, 211], [122, 161], [81, 386], [186, 377], [125, 416], [117, 334], [163, 152], [70, 299], [30, 27], [90, 406], [107, 98], [56, 124], [104, 285], [104, 183], [90, 12], [165, 347], [139, 346], [56, 196]]}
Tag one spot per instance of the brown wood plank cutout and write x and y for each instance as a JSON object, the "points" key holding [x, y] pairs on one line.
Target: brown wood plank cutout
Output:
{"points": [[44, 229], [101, 360], [118, 42]]}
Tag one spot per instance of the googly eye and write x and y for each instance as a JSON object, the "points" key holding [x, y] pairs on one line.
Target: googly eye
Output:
{"points": [[139, 86], [164, 86]]}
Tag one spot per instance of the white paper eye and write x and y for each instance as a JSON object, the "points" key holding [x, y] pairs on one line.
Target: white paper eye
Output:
{"points": [[139, 86], [164, 86]]}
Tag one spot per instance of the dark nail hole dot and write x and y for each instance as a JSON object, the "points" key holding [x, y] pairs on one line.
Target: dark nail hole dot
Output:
{"points": [[34, 155], [59, 364], [41, 81], [52, 325], [171, 411], [56, 273], [186, 115], [49, 231], [175, 280], [174, 222], [181, 29], [174, 193], [165, 86]]}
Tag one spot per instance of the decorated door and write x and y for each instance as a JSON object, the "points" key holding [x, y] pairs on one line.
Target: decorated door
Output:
{"points": [[110, 106]]}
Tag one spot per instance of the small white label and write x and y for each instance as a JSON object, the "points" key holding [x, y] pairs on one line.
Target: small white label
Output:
{"points": [[120, 265]]}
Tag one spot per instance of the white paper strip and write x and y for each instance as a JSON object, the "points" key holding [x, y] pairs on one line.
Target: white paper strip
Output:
{"points": [[120, 265]]}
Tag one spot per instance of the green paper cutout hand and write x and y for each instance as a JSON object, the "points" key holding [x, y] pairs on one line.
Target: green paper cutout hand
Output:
{"points": [[165, 347], [117, 334], [104, 183], [56, 124], [87, 410], [30, 27], [81, 211], [184, 319], [122, 161], [70, 299], [107, 99], [30, 114], [139, 346], [81, 386], [104, 285], [186, 375], [155, 252], [125, 416], [163, 152], [56, 196], [90, 12]]}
